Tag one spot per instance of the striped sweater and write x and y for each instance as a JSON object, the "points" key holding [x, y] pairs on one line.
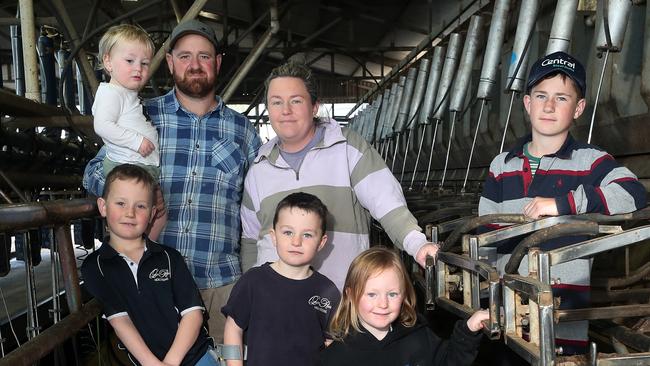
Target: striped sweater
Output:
{"points": [[583, 179], [351, 179]]}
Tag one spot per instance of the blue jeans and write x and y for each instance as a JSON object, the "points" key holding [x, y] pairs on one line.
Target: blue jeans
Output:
{"points": [[207, 360]]}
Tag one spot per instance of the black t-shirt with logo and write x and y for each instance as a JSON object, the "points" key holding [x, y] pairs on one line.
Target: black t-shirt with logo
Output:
{"points": [[285, 320], [165, 290]]}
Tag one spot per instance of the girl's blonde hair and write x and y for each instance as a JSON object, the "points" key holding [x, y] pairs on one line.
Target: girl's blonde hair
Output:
{"points": [[368, 264], [122, 33]]}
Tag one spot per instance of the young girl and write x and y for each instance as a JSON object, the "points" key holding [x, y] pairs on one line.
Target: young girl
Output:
{"points": [[125, 52], [376, 322]]}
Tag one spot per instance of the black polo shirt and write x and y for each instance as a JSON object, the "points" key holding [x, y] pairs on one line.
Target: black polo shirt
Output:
{"points": [[165, 290]]}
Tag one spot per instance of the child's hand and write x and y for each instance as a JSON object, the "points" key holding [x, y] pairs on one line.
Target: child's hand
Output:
{"points": [[146, 147], [541, 206], [475, 322], [159, 203]]}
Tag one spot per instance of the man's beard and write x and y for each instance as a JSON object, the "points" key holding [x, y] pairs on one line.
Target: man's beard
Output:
{"points": [[194, 87]]}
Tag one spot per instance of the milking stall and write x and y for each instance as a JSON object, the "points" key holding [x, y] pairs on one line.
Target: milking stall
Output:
{"points": [[435, 87]]}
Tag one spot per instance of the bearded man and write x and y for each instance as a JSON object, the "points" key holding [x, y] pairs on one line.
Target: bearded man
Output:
{"points": [[205, 151]]}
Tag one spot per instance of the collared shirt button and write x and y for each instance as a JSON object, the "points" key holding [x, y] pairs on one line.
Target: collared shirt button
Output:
{"points": [[193, 173], [189, 201], [197, 146], [187, 230]]}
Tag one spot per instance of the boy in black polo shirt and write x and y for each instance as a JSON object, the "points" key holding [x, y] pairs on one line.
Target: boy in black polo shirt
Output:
{"points": [[148, 294]]}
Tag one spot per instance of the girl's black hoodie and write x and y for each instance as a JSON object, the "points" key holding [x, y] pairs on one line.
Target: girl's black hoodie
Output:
{"points": [[404, 346]]}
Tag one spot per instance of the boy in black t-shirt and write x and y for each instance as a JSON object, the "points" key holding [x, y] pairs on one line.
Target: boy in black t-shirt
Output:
{"points": [[285, 306], [147, 293]]}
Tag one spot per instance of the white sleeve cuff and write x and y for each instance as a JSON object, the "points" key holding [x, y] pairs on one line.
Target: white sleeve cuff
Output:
{"points": [[117, 315], [192, 309], [413, 242]]}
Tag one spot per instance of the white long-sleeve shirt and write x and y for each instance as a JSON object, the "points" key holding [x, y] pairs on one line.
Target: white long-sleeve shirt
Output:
{"points": [[119, 121]]}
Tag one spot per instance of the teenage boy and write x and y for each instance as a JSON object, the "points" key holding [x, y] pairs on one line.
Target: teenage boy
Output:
{"points": [[285, 306], [549, 173], [147, 293]]}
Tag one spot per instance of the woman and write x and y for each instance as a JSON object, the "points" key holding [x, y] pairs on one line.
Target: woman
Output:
{"points": [[319, 157]]}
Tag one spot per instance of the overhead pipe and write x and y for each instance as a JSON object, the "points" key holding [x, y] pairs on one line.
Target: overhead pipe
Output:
{"points": [[382, 115], [492, 57], [645, 70], [255, 53], [416, 102], [405, 102], [420, 76], [432, 85], [432, 40], [393, 118], [562, 28], [461, 84], [17, 59], [470, 50], [418, 92], [30, 62], [404, 111], [447, 78], [611, 34], [520, 53], [387, 129], [442, 96], [487, 80], [414, 110], [425, 111], [521, 47], [373, 125]]}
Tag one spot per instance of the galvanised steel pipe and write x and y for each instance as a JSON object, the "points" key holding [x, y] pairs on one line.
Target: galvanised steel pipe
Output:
{"points": [[645, 70], [616, 17], [382, 114], [418, 92], [387, 130], [470, 50], [447, 77], [405, 103], [432, 85], [493, 50], [562, 28], [396, 105], [519, 59]]}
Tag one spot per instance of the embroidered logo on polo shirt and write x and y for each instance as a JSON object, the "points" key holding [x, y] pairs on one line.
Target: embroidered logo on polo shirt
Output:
{"points": [[159, 275], [321, 304]]}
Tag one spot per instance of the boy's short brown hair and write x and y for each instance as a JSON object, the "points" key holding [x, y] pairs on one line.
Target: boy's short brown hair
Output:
{"points": [[306, 202], [130, 172]]}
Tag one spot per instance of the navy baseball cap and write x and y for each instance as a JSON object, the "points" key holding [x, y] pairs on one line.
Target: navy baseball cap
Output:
{"points": [[193, 27], [557, 62]]}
